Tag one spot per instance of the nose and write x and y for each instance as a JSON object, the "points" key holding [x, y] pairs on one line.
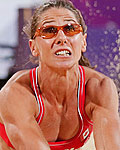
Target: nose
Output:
{"points": [[61, 38]]}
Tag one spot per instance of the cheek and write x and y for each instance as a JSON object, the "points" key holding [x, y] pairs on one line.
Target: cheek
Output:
{"points": [[43, 43], [44, 46], [77, 44]]}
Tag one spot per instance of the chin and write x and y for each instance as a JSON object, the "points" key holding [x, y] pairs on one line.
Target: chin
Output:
{"points": [[63, 65]]}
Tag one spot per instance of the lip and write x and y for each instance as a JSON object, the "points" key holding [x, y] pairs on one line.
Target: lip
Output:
{"points": [[62, 49]]}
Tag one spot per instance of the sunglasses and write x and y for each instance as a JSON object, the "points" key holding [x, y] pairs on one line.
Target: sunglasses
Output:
{"points": [[51, 31]]}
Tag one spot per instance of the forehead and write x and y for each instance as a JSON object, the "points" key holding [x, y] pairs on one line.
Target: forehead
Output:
{"points": [[57, 14]]}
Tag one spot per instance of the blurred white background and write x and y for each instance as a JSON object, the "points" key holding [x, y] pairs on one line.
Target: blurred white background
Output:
{"points": [[8, 18], [9, 30]]}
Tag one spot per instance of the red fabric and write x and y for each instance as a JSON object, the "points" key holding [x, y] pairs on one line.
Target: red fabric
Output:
{"points": [[4, 135], [37, 94]]}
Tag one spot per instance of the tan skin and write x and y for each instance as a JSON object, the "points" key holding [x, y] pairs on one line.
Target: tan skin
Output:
{"points": [[58, 80]]}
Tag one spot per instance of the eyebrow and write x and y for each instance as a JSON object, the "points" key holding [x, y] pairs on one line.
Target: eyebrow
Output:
{"points": [[44, 22], [69, 20]]}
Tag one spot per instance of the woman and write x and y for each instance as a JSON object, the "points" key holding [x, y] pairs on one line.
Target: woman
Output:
{"points": [[58, 104]]}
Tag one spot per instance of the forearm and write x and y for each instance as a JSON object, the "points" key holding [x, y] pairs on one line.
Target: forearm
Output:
{"points": [[106, 130], [111, 133], [31, 145], [28, 139], [35, 144]]}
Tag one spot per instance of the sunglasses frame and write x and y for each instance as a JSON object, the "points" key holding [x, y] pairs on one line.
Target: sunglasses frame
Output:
{"points": [[40, 29]]}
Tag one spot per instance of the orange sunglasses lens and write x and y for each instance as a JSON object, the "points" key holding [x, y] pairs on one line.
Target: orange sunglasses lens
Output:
{"points": [[50, 31]]}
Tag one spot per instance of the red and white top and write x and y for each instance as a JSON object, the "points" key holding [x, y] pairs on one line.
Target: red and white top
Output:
{"points": [[86, 125]]}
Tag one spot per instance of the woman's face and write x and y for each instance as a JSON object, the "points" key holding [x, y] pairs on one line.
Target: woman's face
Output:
{"points": [[47, 49]]}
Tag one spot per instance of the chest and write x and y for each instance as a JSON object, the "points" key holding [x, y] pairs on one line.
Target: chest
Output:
{"points": [[60, 123]]}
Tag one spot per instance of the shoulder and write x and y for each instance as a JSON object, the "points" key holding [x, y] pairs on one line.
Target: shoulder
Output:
{"points": [[21, 77], [92, 76], [92, 73], [103, 80], [100, 90], [17, 94], [15, 85]]}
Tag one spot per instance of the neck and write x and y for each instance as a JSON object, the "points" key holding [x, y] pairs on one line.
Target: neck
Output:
{"points": [[58, 85]]}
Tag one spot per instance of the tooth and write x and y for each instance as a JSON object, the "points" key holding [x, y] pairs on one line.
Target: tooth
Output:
{"points": [[66, 53]]}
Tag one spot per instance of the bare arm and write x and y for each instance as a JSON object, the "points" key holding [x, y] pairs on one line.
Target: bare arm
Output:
{"points": [[18, 115], [103, 110]]}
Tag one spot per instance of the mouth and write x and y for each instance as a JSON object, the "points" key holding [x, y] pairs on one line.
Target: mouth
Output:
{"points": [[64, 53]]}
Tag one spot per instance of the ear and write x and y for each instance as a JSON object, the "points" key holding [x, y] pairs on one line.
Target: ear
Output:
{"points": [[33, 48], [84, 43]]}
